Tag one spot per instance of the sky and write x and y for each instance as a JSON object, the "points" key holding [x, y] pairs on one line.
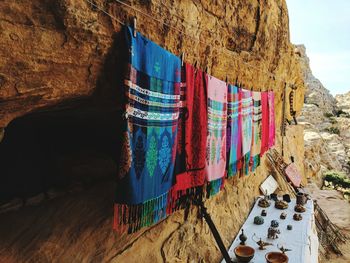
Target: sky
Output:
{"points": [[323, 26]]}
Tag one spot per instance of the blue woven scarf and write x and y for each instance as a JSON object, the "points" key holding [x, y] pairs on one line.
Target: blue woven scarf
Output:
{"points": [[152, 92]]}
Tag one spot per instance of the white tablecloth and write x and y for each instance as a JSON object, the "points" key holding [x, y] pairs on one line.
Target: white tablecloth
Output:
{"points": [[302, 239]]}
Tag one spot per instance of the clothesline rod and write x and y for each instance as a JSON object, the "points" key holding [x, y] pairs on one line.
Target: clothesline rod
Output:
{"points": [[176, 29]]}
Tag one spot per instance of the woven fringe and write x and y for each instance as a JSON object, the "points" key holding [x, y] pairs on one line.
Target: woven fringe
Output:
{"points": [[215, 186], [182, 199], [246, 163], [255, 162], [232, 169], [130, 218]]}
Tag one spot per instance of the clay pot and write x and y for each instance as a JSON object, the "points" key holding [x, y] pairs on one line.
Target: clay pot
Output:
{"points": [[301, 199], [276, 257], [283, 215], [299, 209], [263, 202], [244, 253], [281, 204]]}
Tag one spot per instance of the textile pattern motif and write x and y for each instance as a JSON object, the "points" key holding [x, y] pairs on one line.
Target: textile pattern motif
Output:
{"points": [[256, 140], [234, 107], [217, 124], [152, 102], [247, 127]]}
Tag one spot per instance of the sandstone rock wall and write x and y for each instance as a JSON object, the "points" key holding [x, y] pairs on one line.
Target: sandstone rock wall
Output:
{"points": [[56, 55]]}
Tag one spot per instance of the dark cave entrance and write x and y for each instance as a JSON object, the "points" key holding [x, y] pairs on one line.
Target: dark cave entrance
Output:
{"points": [[58, 149]]}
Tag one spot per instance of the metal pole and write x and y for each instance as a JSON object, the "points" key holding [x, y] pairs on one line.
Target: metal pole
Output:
{"points": [[203, 213]]}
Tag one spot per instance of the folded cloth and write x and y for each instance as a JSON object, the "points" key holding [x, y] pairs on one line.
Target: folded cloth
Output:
{"points": [[234, 129], [256, 140], [217, 124], [264, 123], [152, 89], [247, 127], [271, 105]]}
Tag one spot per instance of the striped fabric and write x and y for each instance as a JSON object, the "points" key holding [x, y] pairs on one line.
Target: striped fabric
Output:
{"points": [[152, 92], [183, 131], [192, 137], [234, 129], [247, 127], [256, 140], [216, 139]]}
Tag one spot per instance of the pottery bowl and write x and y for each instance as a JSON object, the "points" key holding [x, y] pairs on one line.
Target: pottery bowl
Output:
{"points": [[276, 257], [244, 253]]}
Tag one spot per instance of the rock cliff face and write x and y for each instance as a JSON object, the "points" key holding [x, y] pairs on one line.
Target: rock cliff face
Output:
{"points": [[315, 92], [62, 62], [343, 105], [343, 102], [325, 129]]}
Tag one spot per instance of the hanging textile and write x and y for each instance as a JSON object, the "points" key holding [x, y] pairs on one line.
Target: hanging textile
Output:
{"points": [[180, 160], [216, 139], [264, 123], [247, 127], [271, 105], [256, 140], [190, 162], [152, 89], [234, 130]]}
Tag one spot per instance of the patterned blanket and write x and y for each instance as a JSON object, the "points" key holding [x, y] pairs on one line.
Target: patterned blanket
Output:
{"points": [[192, 135], [182, 131], [152, 91], [256, 140], [216, 139], [234, 129], [247, 127]]}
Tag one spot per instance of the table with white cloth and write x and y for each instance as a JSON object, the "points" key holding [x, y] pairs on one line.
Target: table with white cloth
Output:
{"points": [[302, 239]]}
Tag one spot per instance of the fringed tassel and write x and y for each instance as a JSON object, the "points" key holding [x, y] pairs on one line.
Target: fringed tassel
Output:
{"points": [[215, 186], [131, 218], [246, 163], [180, 199], [255, 162], [232, 169]]}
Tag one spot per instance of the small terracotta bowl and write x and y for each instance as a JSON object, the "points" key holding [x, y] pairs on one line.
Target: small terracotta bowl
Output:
{"points": [[276, 257], [244, 253]]}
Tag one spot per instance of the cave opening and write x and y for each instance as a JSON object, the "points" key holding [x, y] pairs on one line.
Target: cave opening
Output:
{"points": [[57, 149]]}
